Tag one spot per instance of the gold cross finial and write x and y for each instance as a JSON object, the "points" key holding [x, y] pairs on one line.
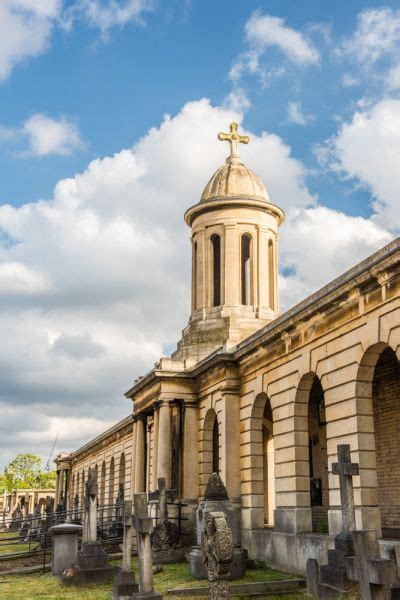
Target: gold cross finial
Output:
{"points": [[234, 138]]}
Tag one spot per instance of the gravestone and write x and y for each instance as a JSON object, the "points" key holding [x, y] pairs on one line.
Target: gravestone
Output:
{"points": [[334, 574], [124, 584], [217, 553], [355, 557], [216, 500], [165, 535], [373, 573], [144, 526], [65, 546], [92, 563]]}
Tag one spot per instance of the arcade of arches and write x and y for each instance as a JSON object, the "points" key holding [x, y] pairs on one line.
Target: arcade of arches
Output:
{"points": [[264, 399]]}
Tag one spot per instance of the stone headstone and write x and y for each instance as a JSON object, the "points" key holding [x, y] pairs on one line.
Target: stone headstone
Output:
{"points": [[92, 565], [144, 526], [125, 584], [65, 546], [165, 535], [373, 573], [216, 500], [217, 553]]}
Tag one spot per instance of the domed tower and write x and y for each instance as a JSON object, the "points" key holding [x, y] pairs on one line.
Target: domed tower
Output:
{"points": [[234, 257]]}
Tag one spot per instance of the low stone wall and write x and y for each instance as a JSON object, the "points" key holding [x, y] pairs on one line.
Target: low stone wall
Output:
{"points": [[287, 552]]}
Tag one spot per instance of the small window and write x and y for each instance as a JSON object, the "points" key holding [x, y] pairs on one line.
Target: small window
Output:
{"points": [[246, 269], [216, 251]]}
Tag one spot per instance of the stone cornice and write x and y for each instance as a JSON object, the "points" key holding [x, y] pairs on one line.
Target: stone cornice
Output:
{"points": [[109, 435]]}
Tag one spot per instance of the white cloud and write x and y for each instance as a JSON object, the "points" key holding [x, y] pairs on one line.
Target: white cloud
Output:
{"points": [[263, 31], [108, 14], [349, 80], [113, 251], [296, 115], [368, 149], [393, 78], [114, 255], [377, 34], [51, 136], [319, 244], [25, 30]]}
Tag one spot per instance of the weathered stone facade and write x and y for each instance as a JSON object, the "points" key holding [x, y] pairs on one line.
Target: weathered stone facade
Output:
{"points": [[266, 399]]}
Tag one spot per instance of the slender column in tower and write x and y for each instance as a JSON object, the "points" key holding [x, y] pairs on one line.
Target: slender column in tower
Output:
{"points": [[139, 457], [190, 452], [231, 266], [164, 442]]}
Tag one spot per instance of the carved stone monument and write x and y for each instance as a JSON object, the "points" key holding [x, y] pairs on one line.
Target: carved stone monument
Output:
{"points": [[216, 500], [144, 526], [373, 573], [124, 584], [165, 535], [92, 563], [65, 546], [355, 557], [217, 553]]}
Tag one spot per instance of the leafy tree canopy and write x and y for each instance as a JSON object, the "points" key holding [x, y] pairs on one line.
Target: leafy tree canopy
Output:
{"points": [[26, 471]]}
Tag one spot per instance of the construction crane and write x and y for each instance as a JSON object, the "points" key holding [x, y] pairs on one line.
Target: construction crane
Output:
{"points": [[47, 467]]}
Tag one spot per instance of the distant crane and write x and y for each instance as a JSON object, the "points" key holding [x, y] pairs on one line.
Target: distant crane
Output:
{"points": [[47, 467]]}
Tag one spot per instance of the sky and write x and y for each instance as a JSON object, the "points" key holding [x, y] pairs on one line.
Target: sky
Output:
{"points": [[109, 112]]}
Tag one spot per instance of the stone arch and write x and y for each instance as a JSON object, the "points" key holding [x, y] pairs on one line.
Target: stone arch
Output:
{"points": [[211, 445], [262, 463], [378, 393], [311, 395]]}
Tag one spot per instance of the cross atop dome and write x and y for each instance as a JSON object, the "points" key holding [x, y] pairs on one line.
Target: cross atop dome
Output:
{"points": [[234, 138]]}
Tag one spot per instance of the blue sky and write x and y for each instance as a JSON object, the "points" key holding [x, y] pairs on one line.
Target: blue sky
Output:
{"points": [[109, 111], [116, 86]]}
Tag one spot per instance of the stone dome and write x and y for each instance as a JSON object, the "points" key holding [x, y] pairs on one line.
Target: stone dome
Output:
{"points": [[234, 180]]}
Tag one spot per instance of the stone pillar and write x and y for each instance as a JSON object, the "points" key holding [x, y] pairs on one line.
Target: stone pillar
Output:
{"points": [[61, 490], [164, 442], [139, 456], [155, 445], [230, 433], [292, 483], [191, 452], [57, 494]]}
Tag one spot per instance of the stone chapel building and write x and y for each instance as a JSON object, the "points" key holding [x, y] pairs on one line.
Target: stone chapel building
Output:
{"points": [[264, 398]]}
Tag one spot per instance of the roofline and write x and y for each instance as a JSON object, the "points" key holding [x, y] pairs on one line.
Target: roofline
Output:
{"points": [[315, 299], [120, 425]]}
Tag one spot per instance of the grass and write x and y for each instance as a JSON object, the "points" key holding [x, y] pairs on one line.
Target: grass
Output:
{"points": [[42, 585], [13, 547]]}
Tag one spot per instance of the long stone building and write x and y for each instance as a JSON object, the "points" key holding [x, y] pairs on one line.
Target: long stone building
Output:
{"points": [[264, 398]]}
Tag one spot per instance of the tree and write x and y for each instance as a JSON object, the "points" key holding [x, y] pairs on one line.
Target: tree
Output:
{"points": [[25, 471]]}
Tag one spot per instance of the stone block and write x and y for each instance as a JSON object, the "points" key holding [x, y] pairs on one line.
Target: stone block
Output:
{"points": [[65, 546], [124, 585], [293, 520]]}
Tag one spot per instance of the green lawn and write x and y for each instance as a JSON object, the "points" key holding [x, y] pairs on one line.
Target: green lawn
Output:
{"points": [[42, 585], [12, 547]]}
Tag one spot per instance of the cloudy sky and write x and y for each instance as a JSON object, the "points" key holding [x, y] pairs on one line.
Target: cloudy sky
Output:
{"points": [[109, 111]]}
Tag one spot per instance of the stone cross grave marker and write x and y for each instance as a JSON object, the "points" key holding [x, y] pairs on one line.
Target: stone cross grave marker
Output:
{"points": [[144, 526], [217, 551], [165, 534], [373, 573], [163, 495], [90, 509], [124, 584], [346, 471]]}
